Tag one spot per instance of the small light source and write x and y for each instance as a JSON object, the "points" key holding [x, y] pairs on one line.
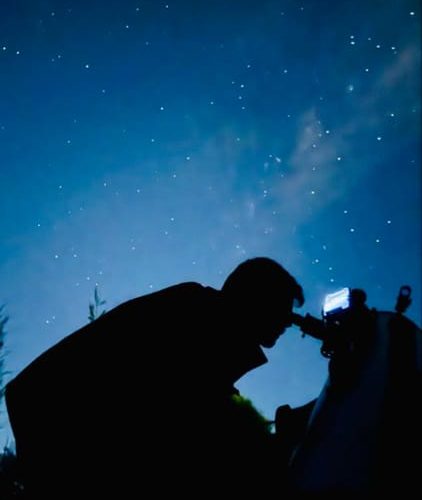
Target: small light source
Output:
{"points": [[337, 301]]}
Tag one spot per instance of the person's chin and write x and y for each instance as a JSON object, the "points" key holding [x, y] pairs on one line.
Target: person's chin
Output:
{"points": [[268, 343]]}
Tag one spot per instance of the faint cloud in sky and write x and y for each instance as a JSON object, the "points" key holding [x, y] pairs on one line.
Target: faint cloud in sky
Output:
{"points": [[404, 67], [325, 166]]}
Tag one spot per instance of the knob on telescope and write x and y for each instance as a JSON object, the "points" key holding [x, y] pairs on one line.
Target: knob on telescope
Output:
{"points": [[403, 299]]}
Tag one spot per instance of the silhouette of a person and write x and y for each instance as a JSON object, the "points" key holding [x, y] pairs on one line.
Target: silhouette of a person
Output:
{"points": [[140, 398]]}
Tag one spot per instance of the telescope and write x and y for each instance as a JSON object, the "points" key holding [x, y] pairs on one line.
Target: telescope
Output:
{"points": [[361, 437], [345, 318]]}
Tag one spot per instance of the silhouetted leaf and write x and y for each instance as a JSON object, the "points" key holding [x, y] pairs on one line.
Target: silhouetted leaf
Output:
{"points": [[94, 312]]}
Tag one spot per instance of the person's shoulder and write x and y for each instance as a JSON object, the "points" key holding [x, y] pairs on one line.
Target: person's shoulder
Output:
{"points": [[191, 289], [193, 286], [187, 286], [185, 290]]}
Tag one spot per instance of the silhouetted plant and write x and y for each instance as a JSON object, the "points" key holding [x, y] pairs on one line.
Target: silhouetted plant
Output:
{"points": [[251, 416], [94, 307], [3, 320], [10, 486]]}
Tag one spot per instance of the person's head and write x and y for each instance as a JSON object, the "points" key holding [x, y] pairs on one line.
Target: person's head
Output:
{"points": [[264, 293]]}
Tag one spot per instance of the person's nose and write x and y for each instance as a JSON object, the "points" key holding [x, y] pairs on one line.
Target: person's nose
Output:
{"points": [[281, 331]]}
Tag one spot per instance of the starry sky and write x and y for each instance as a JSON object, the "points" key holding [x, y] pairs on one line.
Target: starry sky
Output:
{"points": [[144, 143]]}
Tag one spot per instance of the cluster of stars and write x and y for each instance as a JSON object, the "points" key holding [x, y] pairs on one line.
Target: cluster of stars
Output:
{"points": [[239, 94]]}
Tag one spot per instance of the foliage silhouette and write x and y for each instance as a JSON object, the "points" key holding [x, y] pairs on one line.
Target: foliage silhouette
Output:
{"points": [[10, 486], [94, 307], [3, 320]]}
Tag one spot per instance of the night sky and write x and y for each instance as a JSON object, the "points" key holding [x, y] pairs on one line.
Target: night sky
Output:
{"points": [[144, 143]]}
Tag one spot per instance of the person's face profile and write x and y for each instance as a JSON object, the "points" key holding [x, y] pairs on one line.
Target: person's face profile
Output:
{"points": [[273, 323], [269, 336]]}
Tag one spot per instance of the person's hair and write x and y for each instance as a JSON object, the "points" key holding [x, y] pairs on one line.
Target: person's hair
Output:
{"points": [[262, 278]]}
